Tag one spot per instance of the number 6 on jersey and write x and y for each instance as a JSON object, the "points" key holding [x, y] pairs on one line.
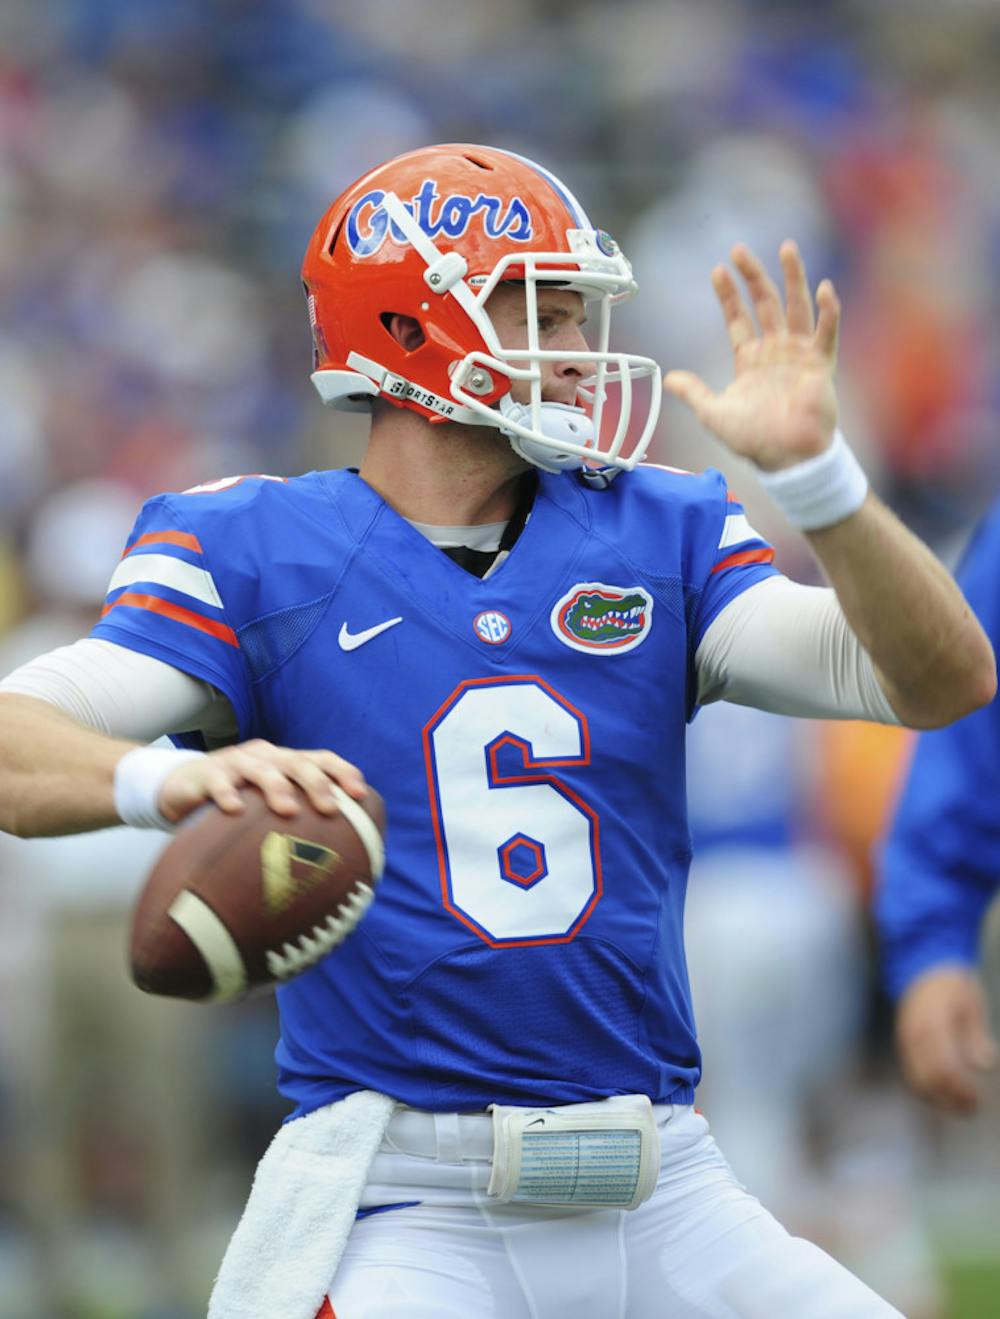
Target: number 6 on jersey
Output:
{"points": [[518, 850]]}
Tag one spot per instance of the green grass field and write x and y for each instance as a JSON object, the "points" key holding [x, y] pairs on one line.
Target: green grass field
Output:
{"points": [[973, 1288]]}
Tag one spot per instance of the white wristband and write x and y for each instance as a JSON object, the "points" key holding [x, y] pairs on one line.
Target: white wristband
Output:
{"points": [[820, 491], [139, 776]]}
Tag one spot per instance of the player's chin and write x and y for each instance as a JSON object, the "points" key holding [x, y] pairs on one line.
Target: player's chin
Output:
{"points": [[495, 447]]}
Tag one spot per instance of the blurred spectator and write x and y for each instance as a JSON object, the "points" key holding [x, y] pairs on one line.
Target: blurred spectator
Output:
{"points": [[940, 871]]}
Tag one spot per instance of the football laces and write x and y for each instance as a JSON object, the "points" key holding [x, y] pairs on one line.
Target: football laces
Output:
{"points": [[310, 948]]}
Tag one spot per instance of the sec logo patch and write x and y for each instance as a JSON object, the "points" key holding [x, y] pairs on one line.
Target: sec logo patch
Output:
{"points": [[491, 626], [601, 619]]}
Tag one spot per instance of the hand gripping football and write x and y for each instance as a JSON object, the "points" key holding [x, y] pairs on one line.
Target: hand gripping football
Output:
{"points": [[240, 901]]}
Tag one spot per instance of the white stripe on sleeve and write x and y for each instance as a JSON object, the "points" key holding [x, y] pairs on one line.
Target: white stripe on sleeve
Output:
{"points": [[165, 570], [736, 529]]}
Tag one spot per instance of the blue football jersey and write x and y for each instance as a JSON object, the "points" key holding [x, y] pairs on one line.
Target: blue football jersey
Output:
{"points": [[527, 732]]}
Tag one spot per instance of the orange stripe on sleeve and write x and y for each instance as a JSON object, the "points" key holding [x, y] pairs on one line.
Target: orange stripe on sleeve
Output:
{"points": [[182, 538], [157, 606], [741, 557]]}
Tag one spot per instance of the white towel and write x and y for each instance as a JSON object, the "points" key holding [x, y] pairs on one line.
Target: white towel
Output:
{"points": [[305, 1194]]}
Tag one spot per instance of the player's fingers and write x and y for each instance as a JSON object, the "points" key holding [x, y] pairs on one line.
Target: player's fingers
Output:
{"points": [[798, 300], [763, 291], [193, 783], [828, 325], [348, 776], [313, 771], [739, 322], [280, 771], [935, 1068], [690, 389], [219, 787], [276, 787], [316, 785]]}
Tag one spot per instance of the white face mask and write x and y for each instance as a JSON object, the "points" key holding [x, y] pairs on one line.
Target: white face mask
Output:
{"points": [[554, 436]]}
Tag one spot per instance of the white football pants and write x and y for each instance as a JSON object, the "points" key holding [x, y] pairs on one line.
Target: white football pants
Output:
{"points": [[700, 1246]]}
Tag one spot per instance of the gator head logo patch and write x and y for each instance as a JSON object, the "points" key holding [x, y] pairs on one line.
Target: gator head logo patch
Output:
{"points": [[602, 619]]}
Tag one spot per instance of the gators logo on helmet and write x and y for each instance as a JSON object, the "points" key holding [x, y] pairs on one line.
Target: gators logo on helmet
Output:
{"points": [[449, 216]]}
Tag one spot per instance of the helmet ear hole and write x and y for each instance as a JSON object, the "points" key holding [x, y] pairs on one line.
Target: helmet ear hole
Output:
{"points": [[405, 330]]}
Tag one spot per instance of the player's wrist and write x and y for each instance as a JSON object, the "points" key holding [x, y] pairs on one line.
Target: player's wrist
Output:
{"points": [[821, 491], [139, 778]]}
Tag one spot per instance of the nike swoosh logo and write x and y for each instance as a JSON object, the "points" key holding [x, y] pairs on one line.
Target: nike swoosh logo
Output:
{"points": [[352, 640]]}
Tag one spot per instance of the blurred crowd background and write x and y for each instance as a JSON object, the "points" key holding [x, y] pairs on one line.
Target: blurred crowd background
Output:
{"points": [[162, 163]]}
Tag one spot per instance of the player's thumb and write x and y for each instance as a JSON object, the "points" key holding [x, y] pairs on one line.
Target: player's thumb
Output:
{"points": [[690, 389]]}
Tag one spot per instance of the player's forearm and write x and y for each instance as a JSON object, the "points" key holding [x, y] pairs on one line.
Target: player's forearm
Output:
{"points": [[934, 660], [56, 776]]}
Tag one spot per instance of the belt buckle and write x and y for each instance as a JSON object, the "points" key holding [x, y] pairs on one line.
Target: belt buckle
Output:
{"points": [[603, 1155]]}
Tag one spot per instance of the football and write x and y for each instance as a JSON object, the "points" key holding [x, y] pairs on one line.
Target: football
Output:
{"points": [[236, 902]]}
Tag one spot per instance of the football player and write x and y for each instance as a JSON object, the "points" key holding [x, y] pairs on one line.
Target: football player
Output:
{"points": [[504, 620], [940, 870]]}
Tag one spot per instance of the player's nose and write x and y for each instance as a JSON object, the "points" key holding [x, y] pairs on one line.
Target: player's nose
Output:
{"points": [[573, 367]]}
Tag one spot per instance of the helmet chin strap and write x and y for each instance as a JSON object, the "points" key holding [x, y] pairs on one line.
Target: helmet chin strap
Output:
{"points": [[558, 421]]}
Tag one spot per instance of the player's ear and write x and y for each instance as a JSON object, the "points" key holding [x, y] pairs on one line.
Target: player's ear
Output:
{"points": [[404, 329]]}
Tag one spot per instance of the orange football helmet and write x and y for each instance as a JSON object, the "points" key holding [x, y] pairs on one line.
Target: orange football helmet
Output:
{"points": [[429, 235]]}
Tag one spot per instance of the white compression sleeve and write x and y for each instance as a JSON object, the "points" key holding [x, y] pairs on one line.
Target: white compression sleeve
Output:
{"points": [[787, 648], [123, 693]]}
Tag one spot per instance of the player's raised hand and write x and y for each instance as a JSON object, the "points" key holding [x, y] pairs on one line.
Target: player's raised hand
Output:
{"points": [[943, 1038], [280, 773], [781, 407]]}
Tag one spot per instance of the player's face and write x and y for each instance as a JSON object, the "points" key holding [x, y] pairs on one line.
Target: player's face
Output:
{"points": [[561, 315]]}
